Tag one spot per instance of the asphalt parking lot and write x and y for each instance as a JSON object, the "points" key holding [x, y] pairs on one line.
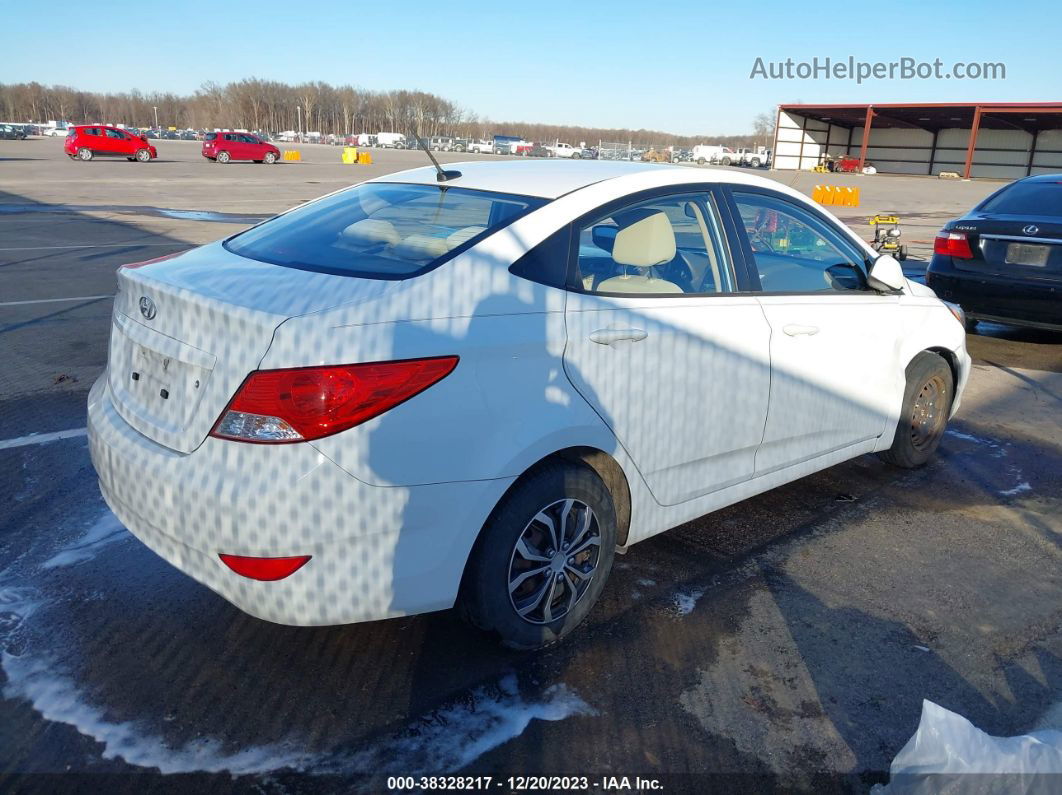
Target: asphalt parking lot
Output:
{"points": [[789, 639]]}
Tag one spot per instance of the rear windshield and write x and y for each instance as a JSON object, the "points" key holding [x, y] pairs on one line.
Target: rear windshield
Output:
{"points": [[381, 230], [1027, 198]]}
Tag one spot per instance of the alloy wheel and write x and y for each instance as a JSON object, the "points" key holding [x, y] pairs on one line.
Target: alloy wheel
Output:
{"points": [[554, 561]]}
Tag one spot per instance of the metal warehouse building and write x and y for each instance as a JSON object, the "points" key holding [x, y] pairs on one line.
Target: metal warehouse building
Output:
{"points": [[997, 140]]}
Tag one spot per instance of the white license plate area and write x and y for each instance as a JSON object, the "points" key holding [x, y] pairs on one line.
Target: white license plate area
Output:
{"points": [[1027, 254]]}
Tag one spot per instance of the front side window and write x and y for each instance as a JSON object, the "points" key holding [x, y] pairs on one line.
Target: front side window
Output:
{"points": [[667, 245], [381, 230], [115, 134], [796, 252]]}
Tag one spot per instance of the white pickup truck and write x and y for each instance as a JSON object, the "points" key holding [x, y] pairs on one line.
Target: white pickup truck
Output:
{"points": [[565, 150], [760, 156], [481, 146]]}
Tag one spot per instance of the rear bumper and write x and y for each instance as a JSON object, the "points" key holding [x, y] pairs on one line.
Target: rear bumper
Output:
{"points": [[378, 552], [985, 296]]}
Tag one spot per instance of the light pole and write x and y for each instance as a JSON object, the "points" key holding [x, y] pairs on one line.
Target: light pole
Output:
{"points": [[156, 116], [298, 109]]}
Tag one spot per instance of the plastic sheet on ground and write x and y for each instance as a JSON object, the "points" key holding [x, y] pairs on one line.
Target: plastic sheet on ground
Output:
{"points": [[948, 754]]}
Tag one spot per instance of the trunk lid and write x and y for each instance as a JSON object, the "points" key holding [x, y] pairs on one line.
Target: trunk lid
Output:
{"points": [[1008, 245], [187, 330]]}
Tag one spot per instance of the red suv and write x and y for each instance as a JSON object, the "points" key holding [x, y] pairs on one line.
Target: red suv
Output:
{"points": [[86, 141], [222, 147]]}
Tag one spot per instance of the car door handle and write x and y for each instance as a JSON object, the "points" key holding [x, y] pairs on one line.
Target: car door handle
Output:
{"points": [[609, 336], [795, 330]]}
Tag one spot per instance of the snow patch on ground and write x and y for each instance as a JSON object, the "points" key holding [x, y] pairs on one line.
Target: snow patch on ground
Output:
{"points": [[1021, 487], [685, 601], [57, 699], [449, 738], [105, 530]]}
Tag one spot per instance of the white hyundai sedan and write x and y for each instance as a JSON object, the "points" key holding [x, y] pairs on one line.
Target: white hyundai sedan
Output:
{"points": [[475, 387]]}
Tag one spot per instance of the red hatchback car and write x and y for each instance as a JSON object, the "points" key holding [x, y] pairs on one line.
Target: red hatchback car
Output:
{"points": [[86, 141], [222, 147]]}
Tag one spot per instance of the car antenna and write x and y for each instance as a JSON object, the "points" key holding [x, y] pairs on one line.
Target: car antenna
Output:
{"points": [[442, 176]]}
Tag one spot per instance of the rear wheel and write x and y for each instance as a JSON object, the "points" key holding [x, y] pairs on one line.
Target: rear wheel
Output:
{"points": [[924, 416], [755, 162], [724, 161], [270, 158], [143, 155], [542, 558], [700, 161], [84, 153], [223, 157]]}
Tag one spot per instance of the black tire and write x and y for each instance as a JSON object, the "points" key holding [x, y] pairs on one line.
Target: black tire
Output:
{"points": [[924, 415], [576, 156], [270, 158], [486, 601], [143, 155], [724, 161], [700, 161], [84, 153], [755, 162], [223, 157]]}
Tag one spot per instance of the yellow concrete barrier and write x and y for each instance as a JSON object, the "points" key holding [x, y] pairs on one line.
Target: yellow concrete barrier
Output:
{"points": [[364, 159], [293, 155], [835, 196], [350, 155]]}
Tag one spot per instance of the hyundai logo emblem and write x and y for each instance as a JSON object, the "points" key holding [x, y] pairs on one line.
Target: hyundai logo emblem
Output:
{"points": [[1031, 229], [147, 307]]}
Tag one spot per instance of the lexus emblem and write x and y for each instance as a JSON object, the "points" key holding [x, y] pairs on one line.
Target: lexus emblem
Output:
{"points": [[1031, 229], [148, 310]]}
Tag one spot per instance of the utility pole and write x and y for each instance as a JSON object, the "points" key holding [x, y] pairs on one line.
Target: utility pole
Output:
{"points": [[298, 109], [156, 116]]}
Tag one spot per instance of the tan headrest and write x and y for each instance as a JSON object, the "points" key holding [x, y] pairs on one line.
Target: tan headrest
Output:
{"points": [[648, 242], [462, 236], [370, 230], [422, 246], [636, 284]]}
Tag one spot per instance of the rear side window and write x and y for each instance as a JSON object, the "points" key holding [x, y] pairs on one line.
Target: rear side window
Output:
{"points": [[1027, 198], [210, 137], [381, 230]]}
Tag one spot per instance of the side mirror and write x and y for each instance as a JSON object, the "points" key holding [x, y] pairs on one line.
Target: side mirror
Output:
{"points": [[886, 274]]}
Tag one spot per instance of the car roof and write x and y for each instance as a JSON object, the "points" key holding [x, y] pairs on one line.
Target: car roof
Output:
{"points": [[1043, 178], [549, 179]]}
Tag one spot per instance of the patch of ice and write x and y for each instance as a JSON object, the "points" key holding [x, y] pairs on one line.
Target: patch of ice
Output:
{"points": [[1021, 487], [105, 530], [948, 745], [450, 738], [57, 699], [645, 582]]}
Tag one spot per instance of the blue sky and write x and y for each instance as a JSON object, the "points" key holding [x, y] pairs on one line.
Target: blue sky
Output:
{"points": [[669, 66]]}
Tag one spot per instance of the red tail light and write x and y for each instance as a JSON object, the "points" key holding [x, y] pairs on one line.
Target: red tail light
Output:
{"points": [[304, 403], [953, 244], [265, 569]]}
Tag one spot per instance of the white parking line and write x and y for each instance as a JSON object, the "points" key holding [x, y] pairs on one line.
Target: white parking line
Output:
{"points": [[56, 300], [42, 438]]}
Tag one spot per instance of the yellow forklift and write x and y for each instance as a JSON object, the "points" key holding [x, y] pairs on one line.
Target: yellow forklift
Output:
{"points": [[887, 235]]}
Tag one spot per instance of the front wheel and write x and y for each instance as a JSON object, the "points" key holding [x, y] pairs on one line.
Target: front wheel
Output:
{"points": [[542, 558], [700, 161], [84, 154], [143, 155], [725, 161], [223, 157], [270, 158], [755, 162], [576, 156], [926, 404]]}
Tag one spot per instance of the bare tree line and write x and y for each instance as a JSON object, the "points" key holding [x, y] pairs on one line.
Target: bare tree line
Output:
{"points": [[272, 106]]}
